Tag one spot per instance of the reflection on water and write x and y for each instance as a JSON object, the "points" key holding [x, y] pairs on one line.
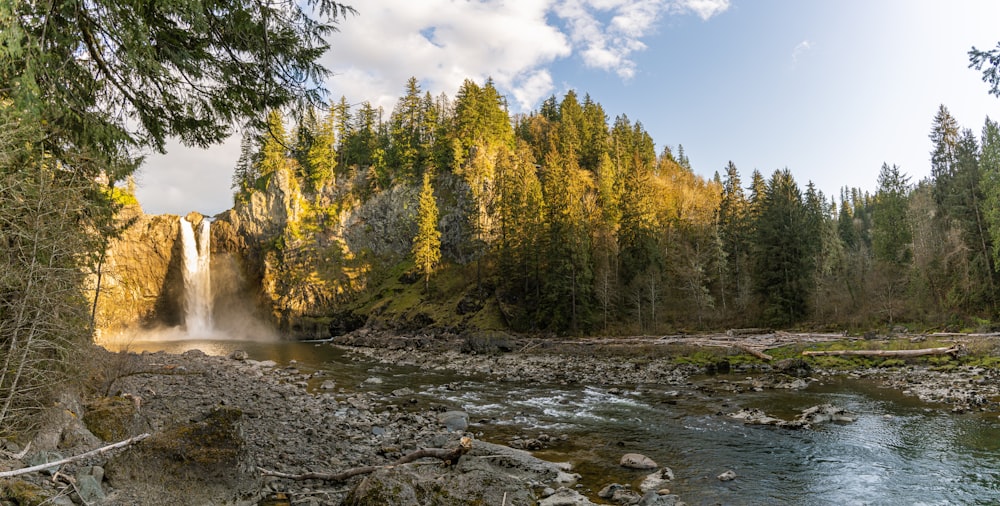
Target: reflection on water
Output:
{"points": [[899, 451]]}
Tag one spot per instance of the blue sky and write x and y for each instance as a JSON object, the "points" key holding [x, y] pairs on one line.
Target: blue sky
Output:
{"points": [[828, 89]]}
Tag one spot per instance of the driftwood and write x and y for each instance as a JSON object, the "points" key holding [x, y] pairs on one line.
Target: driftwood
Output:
{"points": [[448, 456], [91, 453], [757, 353], [953, 350]]}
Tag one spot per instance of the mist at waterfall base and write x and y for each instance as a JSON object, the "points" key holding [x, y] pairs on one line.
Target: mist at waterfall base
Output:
{"points": [[199, 301]]}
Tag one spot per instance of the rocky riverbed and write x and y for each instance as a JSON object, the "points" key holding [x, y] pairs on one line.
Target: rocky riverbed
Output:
{"points": [[960, 388], [217, 422]]}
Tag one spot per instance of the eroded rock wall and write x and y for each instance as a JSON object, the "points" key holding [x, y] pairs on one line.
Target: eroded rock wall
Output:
{"points": [[141, 283]]}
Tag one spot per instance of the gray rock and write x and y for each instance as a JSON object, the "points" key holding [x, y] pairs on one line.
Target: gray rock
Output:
{"points": [[625, 495], [374, 380], [809, 416], [609, 490], [652, 498], [44, 457], [485, 475], [90, 489], [657, 480], [793, 367], [454, 421], [565, 497], [637, 461], [328, 385], [729, 475], [239, 355]]}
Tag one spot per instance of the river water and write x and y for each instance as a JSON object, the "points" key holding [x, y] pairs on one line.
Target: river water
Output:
{"points": [[898, 451]]}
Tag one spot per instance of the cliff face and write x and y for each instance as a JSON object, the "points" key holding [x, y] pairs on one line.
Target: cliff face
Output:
{"points": [[279, 256], [301, 251], [141, 282]]}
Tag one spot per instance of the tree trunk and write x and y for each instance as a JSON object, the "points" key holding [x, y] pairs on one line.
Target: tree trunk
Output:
{"points": [[953, 350]]}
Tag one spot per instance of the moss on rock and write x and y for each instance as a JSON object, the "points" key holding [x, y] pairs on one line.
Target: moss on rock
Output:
{"points": [[202, 462], [110, 418], [21, 493]]}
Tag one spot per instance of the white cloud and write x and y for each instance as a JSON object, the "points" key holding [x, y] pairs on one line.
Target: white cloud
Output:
{"points": [[443, 42], [705, 9], [799, 49]]}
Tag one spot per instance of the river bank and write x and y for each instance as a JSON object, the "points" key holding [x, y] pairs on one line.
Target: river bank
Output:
{"points": [[218, 420], [949, 384], [225, 428]]}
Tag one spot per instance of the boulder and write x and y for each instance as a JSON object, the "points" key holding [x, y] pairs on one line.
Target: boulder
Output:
{"points": [[653, 498], [793, 367], [565, 497], [485, 475], [809, 416], [198, 463], [454, 421], [657, 480], [609, 490], [637, 461], [729, 475]]}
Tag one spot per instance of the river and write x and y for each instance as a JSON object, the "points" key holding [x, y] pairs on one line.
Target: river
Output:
{"points": [[898, 451]]}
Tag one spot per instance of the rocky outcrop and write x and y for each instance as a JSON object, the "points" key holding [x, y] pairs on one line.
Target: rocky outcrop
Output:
{"points": [[204, 461], [489, 474], [140, 278], [805, 420]]}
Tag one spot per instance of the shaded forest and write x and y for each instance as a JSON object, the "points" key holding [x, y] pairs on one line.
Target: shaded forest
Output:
{"points": [[577, 224]]}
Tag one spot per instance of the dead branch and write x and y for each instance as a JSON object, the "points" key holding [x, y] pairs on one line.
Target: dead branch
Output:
{"points": [[953, 350], [91, 453], [448, 456], [17, 456]]}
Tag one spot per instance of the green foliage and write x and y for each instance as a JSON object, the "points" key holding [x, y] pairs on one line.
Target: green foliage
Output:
{"points": [[782, 260], [427, 243], [989, 63]]}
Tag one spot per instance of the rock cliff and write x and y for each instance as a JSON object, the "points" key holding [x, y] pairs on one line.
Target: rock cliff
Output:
{"points": [[140, 278]]}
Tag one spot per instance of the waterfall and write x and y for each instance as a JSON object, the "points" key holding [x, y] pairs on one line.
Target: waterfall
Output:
{"points": [[197, 279]]}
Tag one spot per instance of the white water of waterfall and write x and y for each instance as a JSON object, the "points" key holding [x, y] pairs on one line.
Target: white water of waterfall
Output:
{"points": [[197, 279]]}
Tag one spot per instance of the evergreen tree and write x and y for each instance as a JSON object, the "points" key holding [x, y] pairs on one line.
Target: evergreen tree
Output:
{"points": [[343, 126], [274, 149], [989, 63], [944, 137], [989, 163], [594, 134], [321, 157], [427, 243], [405, 126], [568, 275], [734, 233], [247, 171], [783, 267], [891, 239]]}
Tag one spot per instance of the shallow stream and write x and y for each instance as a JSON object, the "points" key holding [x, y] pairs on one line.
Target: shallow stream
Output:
{"points": [[898, 451]]}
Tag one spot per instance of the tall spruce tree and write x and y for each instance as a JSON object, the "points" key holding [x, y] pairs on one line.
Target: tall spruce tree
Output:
{"points": [[427, 243], [734, 232], [782, 265], [989, 163]]}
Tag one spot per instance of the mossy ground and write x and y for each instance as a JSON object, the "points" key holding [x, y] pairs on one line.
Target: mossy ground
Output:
{"points": [[21, 493], [452, 299]]}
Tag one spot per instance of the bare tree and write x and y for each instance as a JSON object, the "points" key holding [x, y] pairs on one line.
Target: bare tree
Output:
{"points": [[44, 239]]}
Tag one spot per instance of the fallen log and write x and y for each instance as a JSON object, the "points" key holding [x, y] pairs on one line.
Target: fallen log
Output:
{"points": [[757, 353], [56, 463], [952, 350], [448, 456]]}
